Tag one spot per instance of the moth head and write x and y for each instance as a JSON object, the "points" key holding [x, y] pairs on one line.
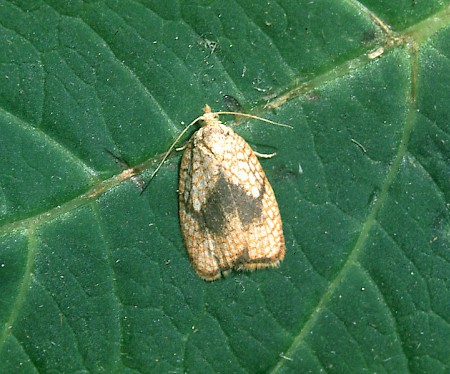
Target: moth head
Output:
{"points": [[209, 117]]}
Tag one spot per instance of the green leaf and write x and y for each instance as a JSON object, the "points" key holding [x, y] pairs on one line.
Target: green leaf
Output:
{"points": [[94, 275]]}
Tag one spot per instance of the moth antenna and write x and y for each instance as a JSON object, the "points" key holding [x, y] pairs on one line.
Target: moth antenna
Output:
{"points": [[255, 117], [170, 150]]}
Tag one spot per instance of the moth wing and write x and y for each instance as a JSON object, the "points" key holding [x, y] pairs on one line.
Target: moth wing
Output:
{"points": [[262, 230], [228, 212], [198, 240], [199, 244]]}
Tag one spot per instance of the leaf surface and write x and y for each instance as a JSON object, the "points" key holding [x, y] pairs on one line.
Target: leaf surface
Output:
{"points": [[94, 275]]}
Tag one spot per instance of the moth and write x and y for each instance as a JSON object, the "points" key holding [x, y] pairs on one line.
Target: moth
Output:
{"points": [[228, 212]]}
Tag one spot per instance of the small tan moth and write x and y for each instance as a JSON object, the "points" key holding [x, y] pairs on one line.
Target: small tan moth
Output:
{"points": [[228, 213]]}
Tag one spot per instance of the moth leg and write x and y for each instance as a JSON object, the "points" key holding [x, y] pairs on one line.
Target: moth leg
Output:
{"points": [[265, 155]]}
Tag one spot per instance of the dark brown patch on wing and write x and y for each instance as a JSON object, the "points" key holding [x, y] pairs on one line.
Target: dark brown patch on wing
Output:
{"points": [[226, 199]]}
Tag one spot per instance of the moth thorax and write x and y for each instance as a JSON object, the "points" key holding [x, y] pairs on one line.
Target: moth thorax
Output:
{"points": [[216, 138], [210, 118]]}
